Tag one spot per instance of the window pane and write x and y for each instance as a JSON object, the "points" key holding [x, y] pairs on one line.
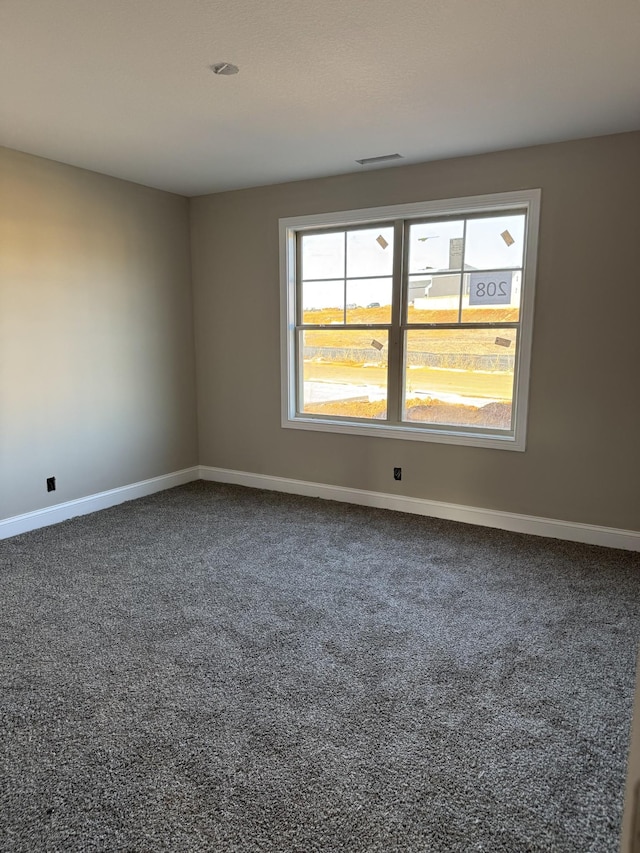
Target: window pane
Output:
{"points": [[433, 298], [323, 255], [370, 252], [460, 377], [369, 300], [344, 372], [494, 242], [435, 246], [492, 297], [323, 302]]}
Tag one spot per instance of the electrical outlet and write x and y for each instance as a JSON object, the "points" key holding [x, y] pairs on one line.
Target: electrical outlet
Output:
{"points": [[51, 484], [397, 473]]}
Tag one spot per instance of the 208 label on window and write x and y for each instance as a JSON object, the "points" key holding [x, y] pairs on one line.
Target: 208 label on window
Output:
{"points": [[490, 288]]}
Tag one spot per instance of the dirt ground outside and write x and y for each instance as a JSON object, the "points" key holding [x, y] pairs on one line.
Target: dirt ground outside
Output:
{"points": [[496, 415]]}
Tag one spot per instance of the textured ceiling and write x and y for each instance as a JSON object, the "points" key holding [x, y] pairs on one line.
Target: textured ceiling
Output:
{"points": [[124, 87]]}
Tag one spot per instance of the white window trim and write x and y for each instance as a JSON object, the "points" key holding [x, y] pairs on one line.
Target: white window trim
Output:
{"points": [[289, 227]]}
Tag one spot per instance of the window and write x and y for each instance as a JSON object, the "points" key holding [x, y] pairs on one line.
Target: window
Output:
{"points": [[412, 321]]}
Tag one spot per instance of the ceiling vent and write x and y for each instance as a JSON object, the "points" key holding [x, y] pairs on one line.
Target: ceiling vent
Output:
{"points": [[385, 158]]}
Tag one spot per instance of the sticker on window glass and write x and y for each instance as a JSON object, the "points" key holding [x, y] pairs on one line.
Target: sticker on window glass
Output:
{"points": [[382, 241], [503, 342], [490, 288], [377, 344], [508, 239]]}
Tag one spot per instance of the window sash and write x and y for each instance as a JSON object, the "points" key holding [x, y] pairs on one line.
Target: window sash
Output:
{"points": [[396, 402], [397, 329]]}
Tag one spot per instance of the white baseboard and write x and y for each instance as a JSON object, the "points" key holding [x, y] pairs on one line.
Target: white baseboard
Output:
{"points": [[610, 537], [102, 500]]}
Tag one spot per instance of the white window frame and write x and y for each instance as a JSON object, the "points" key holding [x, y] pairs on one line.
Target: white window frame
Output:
{"points": [[528, 200]]}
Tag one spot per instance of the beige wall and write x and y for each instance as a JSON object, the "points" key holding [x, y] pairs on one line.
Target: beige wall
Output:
{"points": [[97, 381], [582, 459]]}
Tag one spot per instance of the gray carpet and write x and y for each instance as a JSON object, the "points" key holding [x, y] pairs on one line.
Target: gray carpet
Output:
{"points": [[221, 669]]}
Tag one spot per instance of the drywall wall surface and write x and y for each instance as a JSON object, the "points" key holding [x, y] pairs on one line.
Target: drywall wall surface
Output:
{"points": [[97, 381], [582, 461]]}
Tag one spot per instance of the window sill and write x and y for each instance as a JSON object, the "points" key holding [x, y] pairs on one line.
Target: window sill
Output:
{"points": [[407, 433]]}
